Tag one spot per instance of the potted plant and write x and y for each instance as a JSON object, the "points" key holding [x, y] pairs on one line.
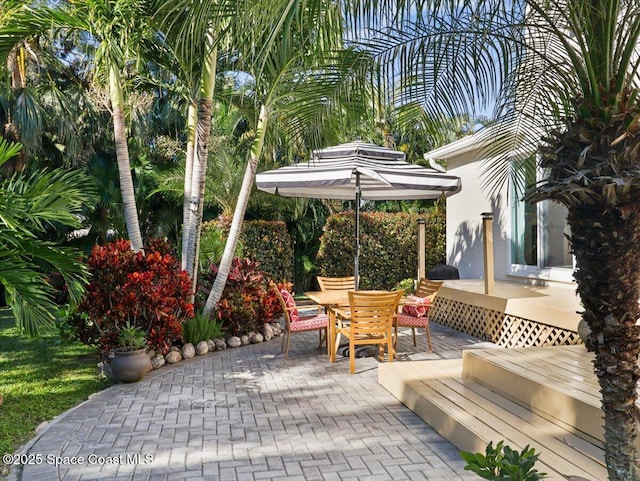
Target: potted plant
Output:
{"points": [[130, 362]]}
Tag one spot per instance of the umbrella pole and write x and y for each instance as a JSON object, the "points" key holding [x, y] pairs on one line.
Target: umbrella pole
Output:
{"points": [[357, 249]]}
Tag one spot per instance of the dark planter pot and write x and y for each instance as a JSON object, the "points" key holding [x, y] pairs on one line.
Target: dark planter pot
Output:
{"points": [[130, 366]]}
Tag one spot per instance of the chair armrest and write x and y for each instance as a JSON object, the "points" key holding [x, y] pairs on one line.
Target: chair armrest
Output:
{"points": [[341, 313], [342, 316]]}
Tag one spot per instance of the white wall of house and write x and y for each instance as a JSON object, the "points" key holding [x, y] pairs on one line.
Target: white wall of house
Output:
{"points": [[464, 223], [464, 214]]}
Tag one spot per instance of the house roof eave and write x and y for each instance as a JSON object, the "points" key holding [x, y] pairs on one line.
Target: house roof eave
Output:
{"points": [[466, 144]]}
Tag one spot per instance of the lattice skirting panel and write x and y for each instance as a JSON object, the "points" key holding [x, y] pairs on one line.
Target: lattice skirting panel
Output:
{"points": [[502, 329]]}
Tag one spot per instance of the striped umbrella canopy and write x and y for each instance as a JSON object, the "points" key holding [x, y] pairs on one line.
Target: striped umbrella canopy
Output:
{"points": [[356, 171]]}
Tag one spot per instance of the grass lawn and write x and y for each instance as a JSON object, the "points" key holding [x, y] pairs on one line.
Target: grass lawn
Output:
{"points": [[39, 379]]}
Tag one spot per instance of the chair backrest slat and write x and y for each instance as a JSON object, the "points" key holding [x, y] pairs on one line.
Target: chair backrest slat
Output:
{"points": [[337, 283], [428, 288], [372, 312]]}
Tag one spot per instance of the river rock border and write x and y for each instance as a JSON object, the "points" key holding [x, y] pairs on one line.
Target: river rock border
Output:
{"points": [[189, 351]]}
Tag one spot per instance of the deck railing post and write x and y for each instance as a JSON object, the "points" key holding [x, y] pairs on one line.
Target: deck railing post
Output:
{"points": [[487, 237]]}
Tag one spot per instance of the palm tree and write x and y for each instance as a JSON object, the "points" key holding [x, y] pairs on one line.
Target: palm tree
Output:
{"points": [[44, 103], [567, 77], [298, 73], [32, 203], [193, 31], [115, 27]]}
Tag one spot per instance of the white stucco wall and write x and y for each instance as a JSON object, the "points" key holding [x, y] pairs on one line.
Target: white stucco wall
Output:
{"points": [[464, 215]]}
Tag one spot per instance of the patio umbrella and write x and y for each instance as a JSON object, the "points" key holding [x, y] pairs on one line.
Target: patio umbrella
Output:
{"points": [[356, 171]]}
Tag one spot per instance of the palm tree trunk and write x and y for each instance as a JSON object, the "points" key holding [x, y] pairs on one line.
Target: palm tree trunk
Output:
{"points": [[609, 248], [238, 215], [188, 173], [122, 155], [203, 131]]}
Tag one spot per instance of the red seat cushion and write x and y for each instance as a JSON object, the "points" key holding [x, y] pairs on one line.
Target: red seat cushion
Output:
{"points": [[290, 302], [418, 307], [405, 320], [309, 323]]}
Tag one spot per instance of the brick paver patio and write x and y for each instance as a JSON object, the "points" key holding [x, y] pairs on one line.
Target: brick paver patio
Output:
{"points": [[247, 414]]}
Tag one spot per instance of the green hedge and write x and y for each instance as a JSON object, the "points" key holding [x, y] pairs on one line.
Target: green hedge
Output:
{"points": [[269, 243], [388, 246]]}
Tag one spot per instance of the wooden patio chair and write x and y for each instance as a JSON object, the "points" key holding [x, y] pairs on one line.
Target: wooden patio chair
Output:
{"points": [[337, 283], [294, 322], [369, 321], [415, 312]]}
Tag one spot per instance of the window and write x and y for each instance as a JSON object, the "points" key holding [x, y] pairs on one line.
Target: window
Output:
{"points": [[555, 245], [538, 232], [524, 225]]}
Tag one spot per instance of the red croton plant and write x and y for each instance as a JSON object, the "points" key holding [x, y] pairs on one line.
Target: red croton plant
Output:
{"points": [[248, 300], [148, 290]]}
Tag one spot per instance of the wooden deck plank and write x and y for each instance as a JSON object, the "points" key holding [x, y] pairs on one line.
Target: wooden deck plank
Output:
{"points": [[560, 359], [558, 363], [465, 432], [482, 416], [530, 419], [515, 423], [518, 379], [537, 369]]}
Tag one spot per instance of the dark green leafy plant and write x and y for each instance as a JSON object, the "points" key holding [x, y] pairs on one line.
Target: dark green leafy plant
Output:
{"points": [[501, 463], [199, 328], [131, 338], [212, 242], [32, 205], [269, 243]]}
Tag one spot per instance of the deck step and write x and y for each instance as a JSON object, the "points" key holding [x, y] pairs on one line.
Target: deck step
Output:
{"points": [[556, 382], [469, 414]]}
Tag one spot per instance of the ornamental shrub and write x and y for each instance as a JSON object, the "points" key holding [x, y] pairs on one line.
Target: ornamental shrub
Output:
{"points": [[147, 290], [248, 300], [503, 463], [200, 328]]}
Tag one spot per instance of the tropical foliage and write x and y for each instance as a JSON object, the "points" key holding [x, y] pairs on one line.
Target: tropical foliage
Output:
{"points": [[32, 204], [503, 463], [249, 300], [299, 76], [199, 328], [564, 71], [134, 289]]}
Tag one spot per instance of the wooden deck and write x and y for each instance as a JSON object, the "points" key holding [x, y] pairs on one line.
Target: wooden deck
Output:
{"points": [[545, 397], [516, 315]]}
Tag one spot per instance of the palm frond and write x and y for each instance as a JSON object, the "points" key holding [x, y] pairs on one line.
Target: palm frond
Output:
{"points": [[44, 198], [8, 150], [26, 293], [61, 260]]}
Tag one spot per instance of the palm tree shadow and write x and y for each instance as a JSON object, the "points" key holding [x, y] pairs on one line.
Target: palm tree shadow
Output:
{"points": [[467, 251]]}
